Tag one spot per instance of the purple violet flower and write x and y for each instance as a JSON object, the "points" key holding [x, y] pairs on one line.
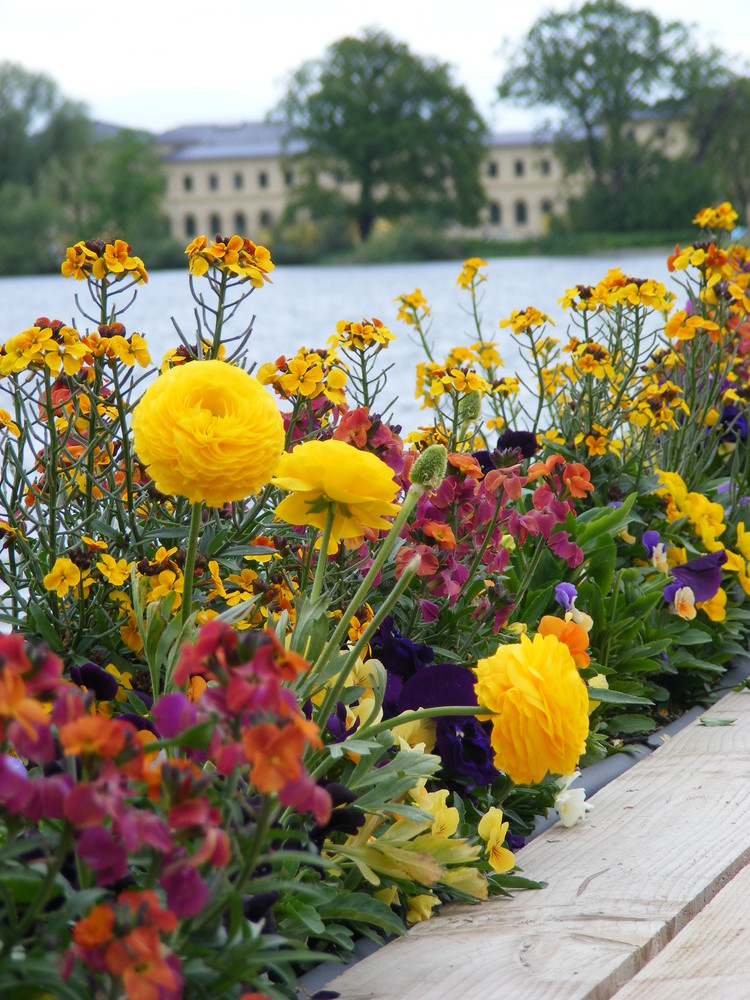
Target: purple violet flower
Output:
{"points": [[649, 540], [702, 575], [565, 594]]}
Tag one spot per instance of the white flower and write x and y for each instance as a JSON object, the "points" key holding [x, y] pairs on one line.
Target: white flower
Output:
{"points": [[579, 617], [570, 803], [659, 558]]}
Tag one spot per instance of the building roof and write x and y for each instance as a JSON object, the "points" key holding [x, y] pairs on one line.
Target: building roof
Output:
{"points": [[211, 142], [245, 140]]}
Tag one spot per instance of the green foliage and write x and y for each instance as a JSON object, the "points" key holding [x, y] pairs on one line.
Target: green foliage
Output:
{"points": [[61, 175], [617, 76], [386, 134]]}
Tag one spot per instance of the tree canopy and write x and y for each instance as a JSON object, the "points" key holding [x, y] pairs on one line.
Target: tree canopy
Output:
{"points": [[608, 68], [384, 134], [62, 178]]}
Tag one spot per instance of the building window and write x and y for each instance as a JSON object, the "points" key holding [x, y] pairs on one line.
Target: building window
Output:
{"points": [[239, 180], [492, 169], [213, 182], [187, 182], [521, 213], [288, 178], [190, 226], [262, 179], [545, 168], [495, 213], [519, 168], [546, 207], [214, 224], [240, 223], [265, 218]]}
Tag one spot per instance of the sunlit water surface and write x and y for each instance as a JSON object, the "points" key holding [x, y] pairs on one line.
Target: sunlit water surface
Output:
{"points": [[303, 305]]}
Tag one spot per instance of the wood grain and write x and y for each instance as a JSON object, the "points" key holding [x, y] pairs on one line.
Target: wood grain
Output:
{"points": [[660, 843]]}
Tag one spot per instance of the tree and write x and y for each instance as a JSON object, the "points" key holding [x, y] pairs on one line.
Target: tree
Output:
{"points": [[384, 134], [36, 123], [62, 178], [716, 117], [608, 68]]}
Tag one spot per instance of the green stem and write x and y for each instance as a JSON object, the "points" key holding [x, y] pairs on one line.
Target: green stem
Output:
{"points": [[417, 714], [333, 644], [42, 895], [221, 295], [189, 571], [323, 554], [332, 695]]}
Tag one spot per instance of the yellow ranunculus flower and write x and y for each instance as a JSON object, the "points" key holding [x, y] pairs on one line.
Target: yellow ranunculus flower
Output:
{"points": [[542, 706], [207, 430], [318, 474]]}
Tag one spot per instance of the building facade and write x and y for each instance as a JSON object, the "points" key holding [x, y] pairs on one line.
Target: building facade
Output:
{"points": [[233, 179]]}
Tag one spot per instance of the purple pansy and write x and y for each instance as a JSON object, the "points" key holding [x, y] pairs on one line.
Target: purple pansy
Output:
{"points": [[103, 684], [461, 740], [702, 575], [649, 540], [565, 594]]}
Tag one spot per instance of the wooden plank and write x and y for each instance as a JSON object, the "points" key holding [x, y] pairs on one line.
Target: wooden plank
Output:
{"points": [[708, 958], [661, 841]]}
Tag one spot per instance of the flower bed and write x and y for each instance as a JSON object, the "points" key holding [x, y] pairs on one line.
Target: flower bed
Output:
{"points": [[280, 677]]}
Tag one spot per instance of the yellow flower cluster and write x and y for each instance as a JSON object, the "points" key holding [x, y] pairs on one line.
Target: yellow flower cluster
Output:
{"points": [[208, 431], [434, 379], [618, 289], [541, 705], [413, 307], [95, 258], [361, 336], [655, 405], [236, 255], [705, 516], [61, 349], [593, 359], [528, 319], [423, 437], [40, 346], [480, 354], [723, 216], [470, 273], [599, 441], [308, 374], [684, 327]]}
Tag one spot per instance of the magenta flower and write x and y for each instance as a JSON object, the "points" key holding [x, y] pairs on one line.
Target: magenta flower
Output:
{"points": [[186, 891], [103, 853]]}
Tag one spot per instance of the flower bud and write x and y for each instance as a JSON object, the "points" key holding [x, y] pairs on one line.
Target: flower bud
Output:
{"points": [[470, 407], [429, 469]]}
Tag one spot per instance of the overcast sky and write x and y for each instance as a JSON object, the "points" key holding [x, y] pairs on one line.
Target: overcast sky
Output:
{"points": [[174, 62]]}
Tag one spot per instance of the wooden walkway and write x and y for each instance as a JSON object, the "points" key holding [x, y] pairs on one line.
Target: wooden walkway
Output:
{"points": [[648, 899]]}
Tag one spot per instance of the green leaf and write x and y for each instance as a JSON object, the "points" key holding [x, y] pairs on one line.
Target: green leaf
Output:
{"points": [[616, 697], [602, 521], [631, 724], [600, 565], [360, 906], [703, 721], [43, 626]]}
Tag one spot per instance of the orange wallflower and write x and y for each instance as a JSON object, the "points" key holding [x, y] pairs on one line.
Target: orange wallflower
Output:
{"points": [[577, 478], [93, 734], [138, 960], [15, 705], [575, 637], [95, 929], [276, 752]]}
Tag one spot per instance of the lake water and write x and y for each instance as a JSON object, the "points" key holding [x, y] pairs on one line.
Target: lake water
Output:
{"points": [[303, 305]]}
